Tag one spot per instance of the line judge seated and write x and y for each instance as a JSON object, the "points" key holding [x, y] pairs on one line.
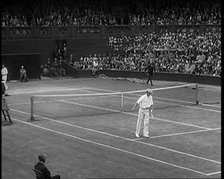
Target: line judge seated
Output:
{"points": [[40, 166]]}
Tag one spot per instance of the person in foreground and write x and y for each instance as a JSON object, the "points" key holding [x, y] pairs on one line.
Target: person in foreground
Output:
{"points": [[145, 112], [4, 73], [40, 166], [5, 108]]}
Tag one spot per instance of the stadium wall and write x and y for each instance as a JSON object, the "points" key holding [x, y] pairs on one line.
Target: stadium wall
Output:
{"points": [[201, 79], [85, 46], [43, 46], [77, 46], [30, 61]]}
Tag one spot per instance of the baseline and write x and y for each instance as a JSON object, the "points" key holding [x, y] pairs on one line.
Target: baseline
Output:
{"points": [[182, 133]]}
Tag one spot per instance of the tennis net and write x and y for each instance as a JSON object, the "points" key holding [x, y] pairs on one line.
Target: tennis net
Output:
{"points": [[77, 105]]}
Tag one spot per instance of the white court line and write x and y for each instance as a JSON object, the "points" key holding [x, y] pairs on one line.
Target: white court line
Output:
{"points": [[69, 89], [181, 133], [47, 90], [17, 104], [175, 122], [132, 98], [214, 173], [112, 110], [92, 130], [192, 107], [110, 147], [210, 105], [201, 104], [171, 100], [133, 114]]}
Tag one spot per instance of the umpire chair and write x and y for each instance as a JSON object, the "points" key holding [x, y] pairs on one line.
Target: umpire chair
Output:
{"points": [[39, 174]]}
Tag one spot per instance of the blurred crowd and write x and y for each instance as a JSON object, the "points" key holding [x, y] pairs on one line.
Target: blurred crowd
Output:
{"points": [[183, 52], [178, 13], [168, 12], [187, 52]]}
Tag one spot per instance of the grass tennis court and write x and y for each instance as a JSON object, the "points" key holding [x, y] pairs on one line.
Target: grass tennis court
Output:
{"points": [[96, 140]]}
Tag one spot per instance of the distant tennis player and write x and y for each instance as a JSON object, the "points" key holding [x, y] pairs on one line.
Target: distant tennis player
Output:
{"points": [[149, 70], [145, 112]]}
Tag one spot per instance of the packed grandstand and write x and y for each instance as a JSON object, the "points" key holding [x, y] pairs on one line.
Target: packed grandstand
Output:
{"points": [[191, 52], [103, 12]]}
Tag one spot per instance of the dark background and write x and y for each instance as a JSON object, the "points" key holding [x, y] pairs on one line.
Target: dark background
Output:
{"points": [[31, 63]]}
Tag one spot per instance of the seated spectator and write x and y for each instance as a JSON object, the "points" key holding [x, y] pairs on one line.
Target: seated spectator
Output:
{"points": [[55, 65], [171, 48], [40, 166], [45, 70], [95, 68], [61, 70], [23, 75], [71, 60]]}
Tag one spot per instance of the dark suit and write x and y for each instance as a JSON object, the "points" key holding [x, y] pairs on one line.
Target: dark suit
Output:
{"points": [[149, 70], [47, 175]]}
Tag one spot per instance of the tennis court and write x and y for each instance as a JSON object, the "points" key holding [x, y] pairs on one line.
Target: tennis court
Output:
{"points": [[86, 128]]}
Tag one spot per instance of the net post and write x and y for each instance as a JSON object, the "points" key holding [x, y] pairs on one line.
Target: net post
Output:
{"points": [[31, 109], [196, 88]]}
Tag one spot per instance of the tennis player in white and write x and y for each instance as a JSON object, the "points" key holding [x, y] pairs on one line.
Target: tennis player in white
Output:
{"points": [[4, 73], [145, 112]]}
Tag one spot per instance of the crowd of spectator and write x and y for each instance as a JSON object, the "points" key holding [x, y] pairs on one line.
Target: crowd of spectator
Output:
{"points": [[54, 67], [54, 14], [109, 62], [187, 52], [178, 13], [177, 52], [62, 14], [183, 52]]}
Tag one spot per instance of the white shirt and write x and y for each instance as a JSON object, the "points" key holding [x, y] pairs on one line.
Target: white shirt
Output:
{"points": [[4, 71], [145, 101], [95, 63]]}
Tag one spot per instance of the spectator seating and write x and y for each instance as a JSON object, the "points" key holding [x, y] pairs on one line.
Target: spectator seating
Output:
{"points": [[60, 13], [182, 52]]}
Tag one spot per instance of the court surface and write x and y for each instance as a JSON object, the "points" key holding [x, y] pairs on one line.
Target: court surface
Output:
{"points": [[185, 139]]}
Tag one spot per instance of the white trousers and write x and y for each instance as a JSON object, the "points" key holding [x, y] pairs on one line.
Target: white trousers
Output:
{"points": [[143, 116]]}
